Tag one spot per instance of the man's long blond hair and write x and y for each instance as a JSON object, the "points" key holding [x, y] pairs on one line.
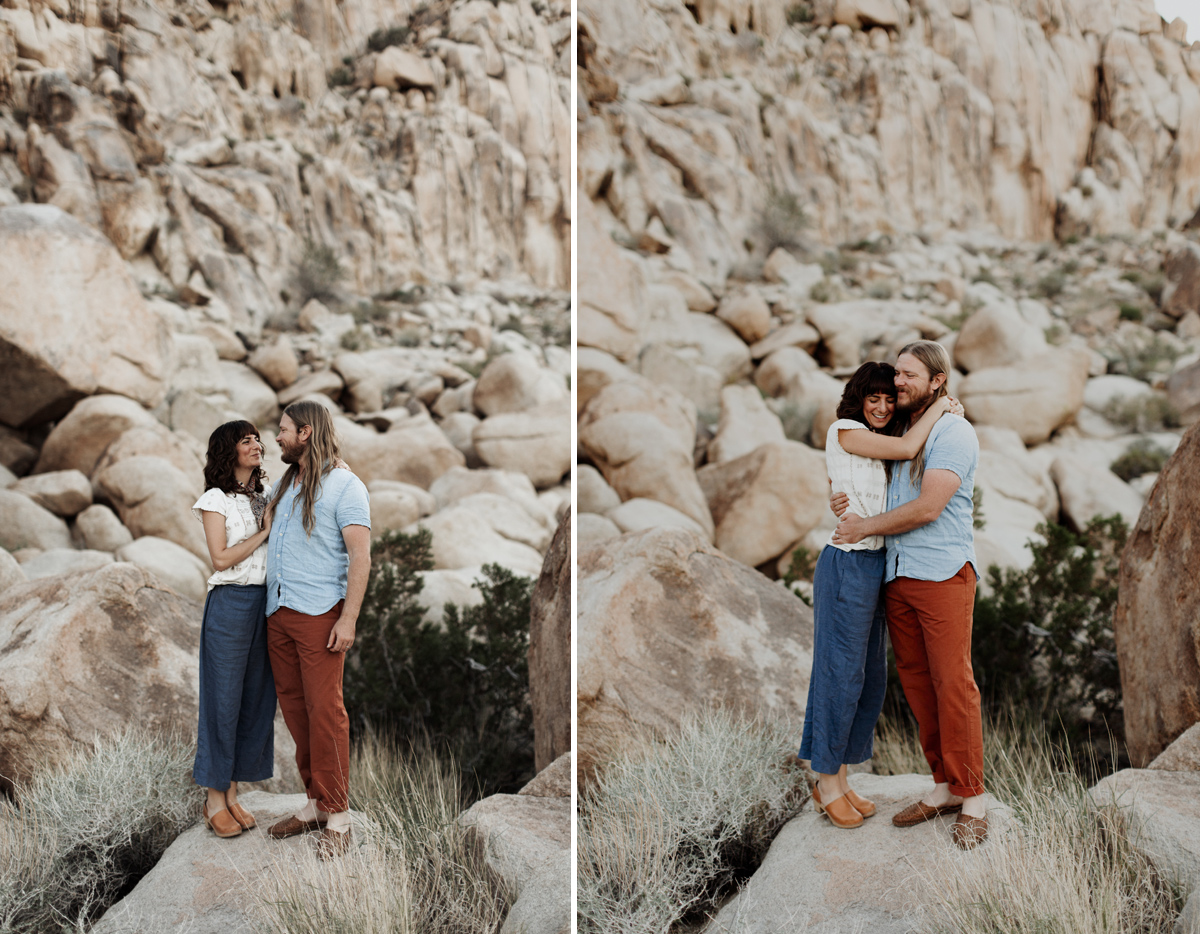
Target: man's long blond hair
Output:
{"points": [[321, 455], [936, 360]]}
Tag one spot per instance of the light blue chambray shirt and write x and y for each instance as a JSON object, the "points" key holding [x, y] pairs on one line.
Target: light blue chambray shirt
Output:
{"points": [[308, 573], [937, 551]]}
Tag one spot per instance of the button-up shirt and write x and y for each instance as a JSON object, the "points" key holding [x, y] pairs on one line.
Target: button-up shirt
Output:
{"points": [[937, 551], [307, 573]]}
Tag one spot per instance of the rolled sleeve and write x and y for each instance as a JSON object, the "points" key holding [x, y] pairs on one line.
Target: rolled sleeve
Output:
{"points": [[354, 505]]}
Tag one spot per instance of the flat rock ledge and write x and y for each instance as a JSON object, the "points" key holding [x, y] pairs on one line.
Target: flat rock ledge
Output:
{"points": [[206, 885], [847, 881]]}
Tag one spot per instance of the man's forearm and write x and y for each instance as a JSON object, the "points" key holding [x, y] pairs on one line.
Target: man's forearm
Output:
{"points": [[356, 585], [900, 520]]}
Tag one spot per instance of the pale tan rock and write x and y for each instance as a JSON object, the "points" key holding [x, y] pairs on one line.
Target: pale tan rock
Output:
{"points": [[314, 316], [592, 529], [612, 287], [639, 514], [397, 69], [365, 385], [694, 292], [11, 573], [507, 518], [23, 524], [764, 501], [593, 492], [641, 437], [462, 539], [186, 453], [105, 650], [800, 277], [153, 497], [747, 313], [1181, 292], [515, 382], [228, 345], [100, 529], [426, 501], [15, 454], [997, 335], [1155, 621], [746, 423], [456, 401], [550, 668], [63, 492], [595, 369], [92, 332], [175, 567], [458, 483], [61, 562], [666, 623], [323, 382], [415, 451], [392, 510], [536, 442], [1183, 755], [276, 362], [797, 334], [1035, 398], [1183, 392], [460, 427]]}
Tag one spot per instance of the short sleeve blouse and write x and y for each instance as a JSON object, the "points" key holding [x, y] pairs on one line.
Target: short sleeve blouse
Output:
{"points": [[862, 479], [240, 524]]}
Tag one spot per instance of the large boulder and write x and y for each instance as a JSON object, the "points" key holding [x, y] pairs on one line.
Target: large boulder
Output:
{"points": [[414, 451], [153, 497], [745, 423], [99, 528], [72, 321], [1157, 619], [536, 442], [514, 382], [1183, 755], [666, 624], [458, 483], [81, 438], [86, 655], [64, 492], [641, 437], [25, 524], [767, 500], [1034, 397], [550, 650], [462, 539], [11, 572], [1088, 490], [592, 492], [173, 565], [997, 335], [59, 562], [1181, 291], [839, 881]]}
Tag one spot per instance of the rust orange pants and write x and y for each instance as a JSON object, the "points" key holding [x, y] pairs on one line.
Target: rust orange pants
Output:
{"points": [[930, 626], [308, 681]]}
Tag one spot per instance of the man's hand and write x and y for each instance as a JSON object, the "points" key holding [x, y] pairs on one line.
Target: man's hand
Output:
{"points": [[838, 503], [850, 530], [341, 636]]}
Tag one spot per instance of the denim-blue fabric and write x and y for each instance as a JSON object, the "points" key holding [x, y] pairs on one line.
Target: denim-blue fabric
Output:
{"points": [[307, 573], [235, 739], [849, 672], [936, 552]]}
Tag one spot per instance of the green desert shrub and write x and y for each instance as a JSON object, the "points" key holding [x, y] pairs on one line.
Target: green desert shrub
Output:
{"points": [[463, 681], [380, 39], [416, 870], [1141, 457], [668, 825], [318, 272], [79, 836], [1142, 413], [782, 220]]}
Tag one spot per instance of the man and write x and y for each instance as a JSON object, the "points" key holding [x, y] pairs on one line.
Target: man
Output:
{"points": [[930, 594], [318, 561]]}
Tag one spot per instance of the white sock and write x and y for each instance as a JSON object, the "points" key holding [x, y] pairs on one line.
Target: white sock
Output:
{"points": [[339, 822], [309, 812]]}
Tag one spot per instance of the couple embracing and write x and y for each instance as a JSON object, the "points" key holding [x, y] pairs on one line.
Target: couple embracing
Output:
{"points": [[291, 564], [902, 467]]}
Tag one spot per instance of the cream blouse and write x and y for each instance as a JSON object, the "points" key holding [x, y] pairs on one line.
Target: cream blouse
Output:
{"points": [[862, 479], [240, 524]]}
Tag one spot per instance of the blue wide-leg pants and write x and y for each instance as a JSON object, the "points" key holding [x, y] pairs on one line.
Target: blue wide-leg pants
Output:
{"points": [[235, 739], [849, 672]]}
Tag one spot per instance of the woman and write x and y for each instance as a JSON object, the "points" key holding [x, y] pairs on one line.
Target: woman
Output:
{"points": [[849, 673], [236, 734]]}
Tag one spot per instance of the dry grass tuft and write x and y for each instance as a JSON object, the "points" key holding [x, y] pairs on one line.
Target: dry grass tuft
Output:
{"points": [[668, 825], [418, 869]]}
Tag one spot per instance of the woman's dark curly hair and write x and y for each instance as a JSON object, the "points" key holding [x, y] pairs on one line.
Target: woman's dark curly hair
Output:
{"points": [[222, 458], [870, 379]]}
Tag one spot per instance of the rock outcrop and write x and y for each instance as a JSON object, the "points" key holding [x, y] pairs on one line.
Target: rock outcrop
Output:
{"points": [[550, 650]]}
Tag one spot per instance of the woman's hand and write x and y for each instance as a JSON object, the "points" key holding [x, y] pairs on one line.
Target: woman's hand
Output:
{"points": [[956, 407], [342, 464], [268, 516]]}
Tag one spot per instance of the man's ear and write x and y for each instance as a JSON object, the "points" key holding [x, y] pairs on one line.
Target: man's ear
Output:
{"points": [[939, 381], [304, 433]]}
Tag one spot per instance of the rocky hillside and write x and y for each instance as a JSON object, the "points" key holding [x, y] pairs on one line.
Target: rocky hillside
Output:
{"points": [[773, 193]]}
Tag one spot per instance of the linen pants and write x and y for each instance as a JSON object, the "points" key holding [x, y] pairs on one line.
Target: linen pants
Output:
{"points": [[235, 735], [849, 672], [930, 626], [308, 679]]}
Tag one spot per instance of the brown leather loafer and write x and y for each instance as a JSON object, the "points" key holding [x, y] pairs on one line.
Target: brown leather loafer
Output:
{"points": [[969, 832], [841, 813], [221, 823], [919, 813], [333, 843], [292, 825], [862, 805], [242, 816]]}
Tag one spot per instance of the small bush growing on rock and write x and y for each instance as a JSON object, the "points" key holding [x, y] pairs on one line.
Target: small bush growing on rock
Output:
{"points": [[800, 13], [1142, 413], [1142, 357], [669, 825], [319, 272], [81, 835], [380, 39], [1141, 457], [1052, 284], [1130, 312], [1151, 283], [464, 683], [782, 220]]}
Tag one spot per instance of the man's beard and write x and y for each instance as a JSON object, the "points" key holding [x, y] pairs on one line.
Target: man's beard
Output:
{"points": [[291, 455], [910, 402]]}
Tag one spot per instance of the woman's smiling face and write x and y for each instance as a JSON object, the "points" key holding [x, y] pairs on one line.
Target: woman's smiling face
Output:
{"points": [[878, 409]]}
